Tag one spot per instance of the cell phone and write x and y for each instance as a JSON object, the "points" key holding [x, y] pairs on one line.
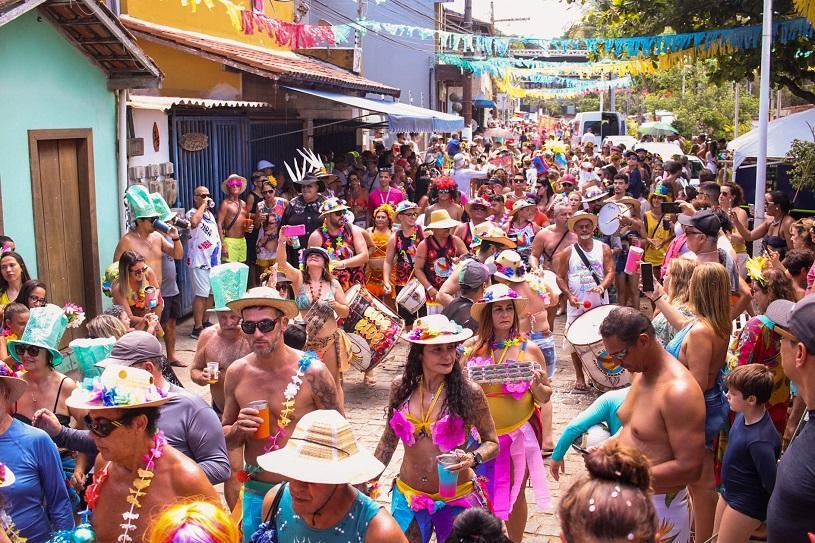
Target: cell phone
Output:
{"points": [[294, 230], [647, 276], [670, 207], [666, 224]]}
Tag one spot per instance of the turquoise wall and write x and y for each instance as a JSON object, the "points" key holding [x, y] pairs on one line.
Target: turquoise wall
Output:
{"points": [[47, 83]]}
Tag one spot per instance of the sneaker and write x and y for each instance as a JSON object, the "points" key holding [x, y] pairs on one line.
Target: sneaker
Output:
{"points": [[207, 324], [196, 332]]}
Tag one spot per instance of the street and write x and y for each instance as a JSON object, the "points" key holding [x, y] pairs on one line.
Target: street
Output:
{"points": [[365, 408]]}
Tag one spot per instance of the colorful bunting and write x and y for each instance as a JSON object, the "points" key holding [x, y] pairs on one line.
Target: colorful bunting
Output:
{"points": [[806, 8]]}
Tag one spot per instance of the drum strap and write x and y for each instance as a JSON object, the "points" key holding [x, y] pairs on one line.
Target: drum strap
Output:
{"points": [[550, 256], [586, 263]]}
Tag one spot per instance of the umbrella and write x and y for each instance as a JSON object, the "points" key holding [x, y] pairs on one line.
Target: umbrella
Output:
{"points": [[501, 133], [657, 128]]}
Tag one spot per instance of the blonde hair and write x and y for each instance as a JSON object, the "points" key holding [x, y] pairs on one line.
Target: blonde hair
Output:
{"points": [[710, 297], [193, 522], [106, 326], [680, 269]]}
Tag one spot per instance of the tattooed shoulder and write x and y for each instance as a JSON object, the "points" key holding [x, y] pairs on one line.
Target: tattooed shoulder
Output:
{"points": [[323, 387]]}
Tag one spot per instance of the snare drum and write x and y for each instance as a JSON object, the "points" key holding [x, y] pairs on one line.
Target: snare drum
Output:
{"points": [[584, 334], [371, 320], [412, 296]]}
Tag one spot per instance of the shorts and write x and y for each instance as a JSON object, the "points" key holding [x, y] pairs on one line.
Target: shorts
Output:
{"points": [[673, 516], [717, 410], [236, 247], [546, 343], [172, 308], [200, 282]]}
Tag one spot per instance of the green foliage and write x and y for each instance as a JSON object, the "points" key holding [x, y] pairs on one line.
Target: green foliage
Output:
{"points": [[793, 65], [802, 154]]}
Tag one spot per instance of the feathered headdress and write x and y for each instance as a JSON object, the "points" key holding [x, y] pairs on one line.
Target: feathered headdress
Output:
{"points": [[297, 175], [317, 167], [445, 182]]}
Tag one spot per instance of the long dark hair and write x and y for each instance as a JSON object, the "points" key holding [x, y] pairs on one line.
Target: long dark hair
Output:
{"points": [[26, 290], [24, 276], [459, 398], [127, 259]]}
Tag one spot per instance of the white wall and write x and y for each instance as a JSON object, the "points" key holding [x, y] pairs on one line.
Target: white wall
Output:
{"points": [[143, 120]]}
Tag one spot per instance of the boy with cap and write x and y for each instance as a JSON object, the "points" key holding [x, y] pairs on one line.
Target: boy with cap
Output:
{"points": [[789, 514], [472, 277]]}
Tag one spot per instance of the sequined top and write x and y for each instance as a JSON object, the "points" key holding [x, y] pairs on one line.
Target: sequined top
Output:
{"points": [[352, 527]]}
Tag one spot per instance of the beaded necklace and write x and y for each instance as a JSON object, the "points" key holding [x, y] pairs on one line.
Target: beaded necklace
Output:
{"points": [[289, 395]]}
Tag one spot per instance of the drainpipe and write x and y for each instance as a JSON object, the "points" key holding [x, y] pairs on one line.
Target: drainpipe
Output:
{"points": [[121, 166]]}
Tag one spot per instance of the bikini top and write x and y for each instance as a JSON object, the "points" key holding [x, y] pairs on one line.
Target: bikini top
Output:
{"points": [[302, 301], [64, 420], [447, 431]]}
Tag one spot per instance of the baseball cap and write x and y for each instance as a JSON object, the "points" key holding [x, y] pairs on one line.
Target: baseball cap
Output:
{"points": [[472, 274], [632, 154], [132, 348], [798, 318], [705, 221]]}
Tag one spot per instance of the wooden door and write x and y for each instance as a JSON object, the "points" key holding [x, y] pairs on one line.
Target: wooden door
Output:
{"points": [[65, 218]]}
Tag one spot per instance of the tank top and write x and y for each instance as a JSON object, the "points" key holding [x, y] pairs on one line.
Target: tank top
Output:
{"points": [[655, 231], [438, 263], [406, 254], [468, 234], [352, 527], [523, 238], [341, 247], [581, 281]]}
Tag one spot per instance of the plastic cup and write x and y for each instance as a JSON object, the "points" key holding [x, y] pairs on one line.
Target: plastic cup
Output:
{"points": [[213, 368], [632, 263], [448, 480], [250, 220], [262, 406]]}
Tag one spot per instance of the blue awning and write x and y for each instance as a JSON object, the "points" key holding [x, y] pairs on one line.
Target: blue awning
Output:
{"points": [[401, 117]]}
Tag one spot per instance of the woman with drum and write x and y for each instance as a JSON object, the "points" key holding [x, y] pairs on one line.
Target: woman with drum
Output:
{"points": [[400, 255], [320, 299], [432, 409], [514, 405]]}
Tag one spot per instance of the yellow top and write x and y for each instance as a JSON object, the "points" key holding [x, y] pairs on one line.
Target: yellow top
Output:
{"points": [[739, 246], [508, 414], [656, 232]]}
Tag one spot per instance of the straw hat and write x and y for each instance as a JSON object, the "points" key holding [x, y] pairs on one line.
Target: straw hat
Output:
{"points": [[594, 193], [232, 177], [436, 329], [228, 283], [509, 267], [440, 219], [16, 385], [631, 202], [520, 204], [582, 216], [119, 387], [7, 477], [331, 205], [477, 201], [263, 297], [140, 203], [498, 293], [44, 329], [322, 450], [488, 231]]}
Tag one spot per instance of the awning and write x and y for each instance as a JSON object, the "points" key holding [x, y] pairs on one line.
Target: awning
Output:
{"points": [[162, 103], [780, 135], [484, 102], [401, 117]]}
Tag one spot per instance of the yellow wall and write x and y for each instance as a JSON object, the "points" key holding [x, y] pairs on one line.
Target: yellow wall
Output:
{"points": [[192, 76], [215, 21]]}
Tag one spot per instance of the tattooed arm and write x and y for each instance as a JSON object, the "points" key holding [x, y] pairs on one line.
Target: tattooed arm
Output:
{"points": [[388, 442], [323, 387], [484, 424]]}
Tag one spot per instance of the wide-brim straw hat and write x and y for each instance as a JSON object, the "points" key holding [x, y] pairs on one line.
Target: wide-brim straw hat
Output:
{"points": [[488, 231], [119, 387], [440, 219], [323, 450], [16, 385], [331, 205], [498, 293], [225, 188], [523, 203], [435, 330], [509, 267], [594, 194], [264, 297], [582, 216]]}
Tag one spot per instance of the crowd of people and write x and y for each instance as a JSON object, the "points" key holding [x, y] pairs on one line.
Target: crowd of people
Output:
{"points": [[467, 252]]}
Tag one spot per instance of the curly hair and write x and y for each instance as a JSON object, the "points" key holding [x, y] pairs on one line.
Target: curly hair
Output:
{"points": [[460, 396], [442, 183]]}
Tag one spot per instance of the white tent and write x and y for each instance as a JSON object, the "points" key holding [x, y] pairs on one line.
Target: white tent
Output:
{"points": [[780, 135]]}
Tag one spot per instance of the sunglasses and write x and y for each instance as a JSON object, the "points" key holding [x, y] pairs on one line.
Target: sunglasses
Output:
{"points": [[619, 356], [103, 427], [338, 213], [478, 208], [234, 184], [271, 191], [202, 195], [265, 326], [413, 215], [32, 350], [139, 271]]}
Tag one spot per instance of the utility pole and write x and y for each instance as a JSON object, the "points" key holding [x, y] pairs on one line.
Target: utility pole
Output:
{"points": [[467, 94], [361, 9]]}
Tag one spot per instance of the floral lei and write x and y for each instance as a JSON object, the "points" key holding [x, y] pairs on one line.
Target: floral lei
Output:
{"points": [[137, 490], [339, 248], [517, 339]]}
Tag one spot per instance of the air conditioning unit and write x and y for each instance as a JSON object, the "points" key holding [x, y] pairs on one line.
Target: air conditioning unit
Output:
{"points": [[166, 168], [153, 170]]}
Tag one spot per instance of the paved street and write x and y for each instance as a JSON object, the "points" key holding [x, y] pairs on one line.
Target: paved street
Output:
{"points": [[366, 409]]}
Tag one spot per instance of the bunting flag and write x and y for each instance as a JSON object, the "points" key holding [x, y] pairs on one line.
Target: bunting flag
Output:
{"points": [[587, 87], [806, 8], [293, 35]]}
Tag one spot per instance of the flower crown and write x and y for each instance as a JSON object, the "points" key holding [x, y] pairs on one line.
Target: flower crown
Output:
{"points": [[490, 297], [422, 334], [445, 182], [93, 392]]}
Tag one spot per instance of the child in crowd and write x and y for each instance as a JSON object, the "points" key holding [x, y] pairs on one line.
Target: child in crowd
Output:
{"points": [[753, 449]]}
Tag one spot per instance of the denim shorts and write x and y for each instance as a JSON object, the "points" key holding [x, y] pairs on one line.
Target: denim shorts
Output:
{"points": [[546, 343], [716, 412]]}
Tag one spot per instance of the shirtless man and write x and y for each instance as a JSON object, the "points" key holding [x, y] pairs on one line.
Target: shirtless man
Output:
{"points": [[663, 415], [548, 243], [232, 216], [124, 436], [264, 374], [143, 237], [223, 343]]}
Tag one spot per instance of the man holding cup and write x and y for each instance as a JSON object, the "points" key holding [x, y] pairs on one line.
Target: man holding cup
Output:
{"points": [[220, 345], [203, 253], [292, 383]]}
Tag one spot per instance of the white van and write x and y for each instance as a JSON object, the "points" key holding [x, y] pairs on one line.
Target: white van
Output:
{"points": [[602, 123]]}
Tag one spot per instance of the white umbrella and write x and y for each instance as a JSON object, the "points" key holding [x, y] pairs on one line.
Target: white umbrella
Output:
{"points": [[780, 135]]}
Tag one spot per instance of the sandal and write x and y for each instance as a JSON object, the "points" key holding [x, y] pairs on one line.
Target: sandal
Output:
{"points": [[580, 388], [369, 380]]}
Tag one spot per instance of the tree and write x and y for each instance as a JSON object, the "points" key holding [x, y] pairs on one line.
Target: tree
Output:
{"points": [[793, 64]]}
